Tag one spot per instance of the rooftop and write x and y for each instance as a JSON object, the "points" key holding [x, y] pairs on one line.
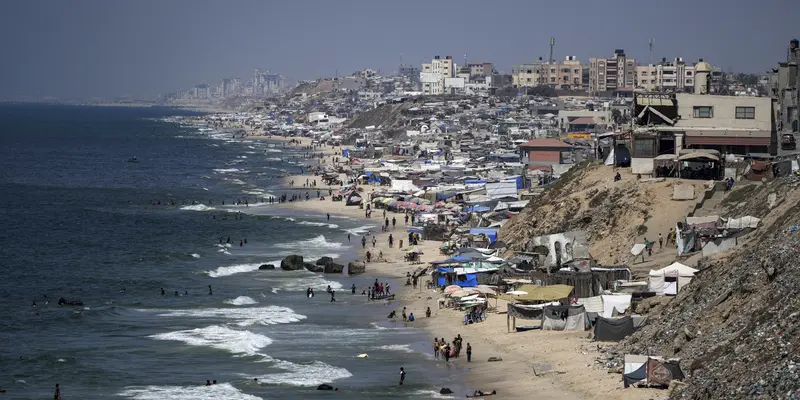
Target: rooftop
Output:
{"points": [[546, 143]]}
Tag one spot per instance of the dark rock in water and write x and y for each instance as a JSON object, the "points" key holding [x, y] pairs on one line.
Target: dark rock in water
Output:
{"points": [[324, 261], [314, 268], [69, 302], [292, 263], [334, 268], [356, 267], [266, 266], [324, 387], [445, 391]]}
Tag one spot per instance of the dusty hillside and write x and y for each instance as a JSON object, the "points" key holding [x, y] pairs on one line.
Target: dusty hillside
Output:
{"points": [[387, 116], [736, 326], [615, 215]]}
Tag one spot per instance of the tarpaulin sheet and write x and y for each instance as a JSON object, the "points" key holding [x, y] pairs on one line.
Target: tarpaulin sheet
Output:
{"points": [[564, 318], [524, 313], [613, 329], [541, 293], [662, 372]]}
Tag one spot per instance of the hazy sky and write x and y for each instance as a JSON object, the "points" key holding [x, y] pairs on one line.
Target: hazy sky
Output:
{"points": [[106, 47]]}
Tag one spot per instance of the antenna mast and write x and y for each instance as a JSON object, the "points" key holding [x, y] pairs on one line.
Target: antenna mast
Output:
{"points": [[652, 43], [552, 43]]}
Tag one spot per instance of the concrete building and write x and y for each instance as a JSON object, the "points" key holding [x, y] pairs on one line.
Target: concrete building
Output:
{"points": [[525, 75], [669, 123], [784, 81], [202, 91], [565, 75], [614, 75], [666, 76], [433, 75], [266, 84], [545, 151]]}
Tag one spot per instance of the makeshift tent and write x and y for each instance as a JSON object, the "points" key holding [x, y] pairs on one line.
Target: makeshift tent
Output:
{"points": [[490, 233], [541, 293], [652, 371], [352, 199], [441, 276], [523, 312], [618, 303], [564, 318], [670, 279], [613, 329], [635, 369], [467, 279]]}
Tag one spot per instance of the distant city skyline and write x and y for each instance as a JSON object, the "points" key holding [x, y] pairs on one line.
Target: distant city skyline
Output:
{"points": [[98, 48]]}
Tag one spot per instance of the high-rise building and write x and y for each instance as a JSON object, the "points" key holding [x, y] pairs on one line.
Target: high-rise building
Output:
{"points": [[616, 73], [266, 84]]}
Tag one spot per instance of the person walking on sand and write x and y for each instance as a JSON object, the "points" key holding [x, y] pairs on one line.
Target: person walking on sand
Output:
{"points": [[373, 241], [447, 352], [363, 242], [660, 241], [394, 222], [391, 241], [469, 352], [436, 348]]}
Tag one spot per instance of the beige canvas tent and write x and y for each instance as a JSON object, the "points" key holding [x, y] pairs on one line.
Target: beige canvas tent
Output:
{"points": [[670, 279]]}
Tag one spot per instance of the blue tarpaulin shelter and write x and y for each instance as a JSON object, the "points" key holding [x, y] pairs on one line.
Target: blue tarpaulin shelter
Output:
{"points": [[454, 260], [478, 209], [490, 233], [467, 280], [474, 181], [415, 230], [441, 279]]}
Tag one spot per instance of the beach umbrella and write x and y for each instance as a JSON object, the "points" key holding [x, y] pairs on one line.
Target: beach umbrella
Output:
{"points": [[452, 288]]}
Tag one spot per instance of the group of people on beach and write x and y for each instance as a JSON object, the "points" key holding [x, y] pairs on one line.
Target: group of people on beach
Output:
{"points": [[444, 350]]}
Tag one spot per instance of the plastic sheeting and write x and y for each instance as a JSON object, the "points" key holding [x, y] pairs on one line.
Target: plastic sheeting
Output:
{"points": [[564, 318], [613, 329]]}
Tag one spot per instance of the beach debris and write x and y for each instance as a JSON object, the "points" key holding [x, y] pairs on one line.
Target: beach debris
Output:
{"points": [[363, 355], [494, 359], [266, 267]]}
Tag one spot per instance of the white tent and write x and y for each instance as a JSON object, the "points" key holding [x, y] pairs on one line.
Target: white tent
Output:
{"points": [[682, 275]]}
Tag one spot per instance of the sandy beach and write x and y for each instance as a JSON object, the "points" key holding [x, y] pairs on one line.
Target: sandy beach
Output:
{"points": [[547, 364]]}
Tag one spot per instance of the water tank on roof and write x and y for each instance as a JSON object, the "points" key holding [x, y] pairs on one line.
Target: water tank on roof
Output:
{"points": [[702, 71]]}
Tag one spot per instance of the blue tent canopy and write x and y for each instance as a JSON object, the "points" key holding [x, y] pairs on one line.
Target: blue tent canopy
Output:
{"points": [[441, 279], [474, 181], [467, 280], [491, 233], [415, 230]]}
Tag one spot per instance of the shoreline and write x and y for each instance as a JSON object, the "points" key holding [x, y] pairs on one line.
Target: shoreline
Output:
{"points": [[552, 364]]}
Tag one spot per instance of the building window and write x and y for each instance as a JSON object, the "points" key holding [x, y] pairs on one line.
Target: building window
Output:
{"points": [[552, 79], [529, 79], [530, 71], [688, 73], [703, 112], [745, 113]]}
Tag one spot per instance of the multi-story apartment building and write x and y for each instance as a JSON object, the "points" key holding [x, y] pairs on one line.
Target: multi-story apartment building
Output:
{"points": [[434, 73], [567, 74], [525, 75], [564, 75], [667, 76], [612, 74]]}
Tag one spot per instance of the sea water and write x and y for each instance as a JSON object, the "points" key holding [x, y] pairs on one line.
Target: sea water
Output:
{"points": [[81, 222]]}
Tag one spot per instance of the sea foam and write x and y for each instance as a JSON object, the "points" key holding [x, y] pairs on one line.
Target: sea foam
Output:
{"points": [[312, 374], [198, 207], [241, 301], [241, 316], [214, 392], [239, 342], [239, 268]]}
